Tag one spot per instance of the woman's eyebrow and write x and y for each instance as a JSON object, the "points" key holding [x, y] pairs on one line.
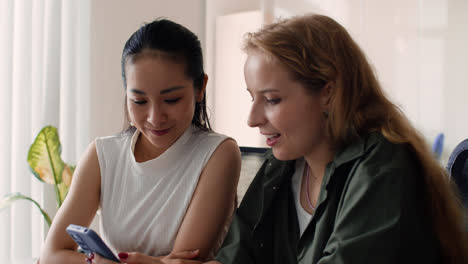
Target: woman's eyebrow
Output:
{"points": [[165, 91], [137, 91], [269, 91]]}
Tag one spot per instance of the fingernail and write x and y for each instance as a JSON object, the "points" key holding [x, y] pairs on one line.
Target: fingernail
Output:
{"points": [[195, 251], [123, 255]]}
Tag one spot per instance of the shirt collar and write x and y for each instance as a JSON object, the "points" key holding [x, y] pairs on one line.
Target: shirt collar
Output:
{"points": [[358, 148], [350, 152]]}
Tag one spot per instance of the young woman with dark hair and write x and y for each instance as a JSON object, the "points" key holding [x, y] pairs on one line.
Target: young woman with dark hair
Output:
{"points": [[166, 186]]}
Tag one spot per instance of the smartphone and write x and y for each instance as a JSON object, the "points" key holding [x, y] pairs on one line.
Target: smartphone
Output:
{"points": [[90, 242]]}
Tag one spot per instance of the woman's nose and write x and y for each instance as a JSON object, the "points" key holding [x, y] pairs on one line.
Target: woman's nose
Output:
{"points": [[157, 115], [256, 115]]}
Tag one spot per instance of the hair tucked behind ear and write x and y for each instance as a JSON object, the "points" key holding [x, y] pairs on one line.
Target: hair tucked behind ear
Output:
{"points": [[317, 50]]}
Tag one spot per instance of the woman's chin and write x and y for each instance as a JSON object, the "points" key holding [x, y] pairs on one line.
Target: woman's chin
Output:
{"points": [[283, 156]]}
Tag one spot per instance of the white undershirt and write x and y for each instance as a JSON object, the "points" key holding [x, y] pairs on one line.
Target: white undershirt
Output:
{"points": [[303, 216]]}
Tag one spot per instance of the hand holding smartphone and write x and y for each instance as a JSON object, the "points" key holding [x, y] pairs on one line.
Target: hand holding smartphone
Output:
{"points": [[90, 242]]}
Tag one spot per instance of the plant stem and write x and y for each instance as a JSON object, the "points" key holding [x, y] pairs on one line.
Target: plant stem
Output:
{"points": [[12, 197], [57, 190], [44, 214]]}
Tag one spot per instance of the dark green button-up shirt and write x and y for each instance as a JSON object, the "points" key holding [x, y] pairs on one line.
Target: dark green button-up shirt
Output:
{"points": [[370, 210]]}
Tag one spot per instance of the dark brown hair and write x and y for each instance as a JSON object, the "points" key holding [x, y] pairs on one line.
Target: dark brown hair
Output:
{"points": [[177, 42]]}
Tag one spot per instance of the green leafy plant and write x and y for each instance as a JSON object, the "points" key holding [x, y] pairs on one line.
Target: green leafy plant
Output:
{"points": [[46, 164]]}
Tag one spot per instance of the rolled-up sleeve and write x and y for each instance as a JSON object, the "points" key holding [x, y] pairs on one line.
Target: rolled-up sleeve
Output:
{"points": [[237, 247]]}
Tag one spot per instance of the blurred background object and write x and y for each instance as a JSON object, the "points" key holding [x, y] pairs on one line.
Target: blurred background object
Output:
{"points": [[457, 167], [438, 146]]}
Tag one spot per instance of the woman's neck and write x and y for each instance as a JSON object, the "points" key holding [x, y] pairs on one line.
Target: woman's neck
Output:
{"points": [[144, 150], [319, 159]]}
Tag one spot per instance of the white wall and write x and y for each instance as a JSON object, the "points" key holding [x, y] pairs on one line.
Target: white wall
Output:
{"points": [[231, 100], [455, 60], [215, 9], [112, 23]]}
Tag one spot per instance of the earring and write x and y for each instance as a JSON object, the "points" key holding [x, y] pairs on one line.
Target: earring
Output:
{"points": [[131, 124]]}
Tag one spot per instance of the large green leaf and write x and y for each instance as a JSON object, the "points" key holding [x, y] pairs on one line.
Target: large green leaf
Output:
{"points": [[8, 199], [44, 156]]}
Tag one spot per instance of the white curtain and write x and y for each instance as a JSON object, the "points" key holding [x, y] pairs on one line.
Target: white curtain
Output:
{"points": [[44, 80]]}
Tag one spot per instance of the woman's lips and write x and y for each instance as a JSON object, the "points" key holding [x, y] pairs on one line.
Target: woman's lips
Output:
{"points": [[160, 132], [272, 140]]}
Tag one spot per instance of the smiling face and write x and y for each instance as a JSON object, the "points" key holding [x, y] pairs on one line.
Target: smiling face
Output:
{"points": [[160, 100], [289, 116]]}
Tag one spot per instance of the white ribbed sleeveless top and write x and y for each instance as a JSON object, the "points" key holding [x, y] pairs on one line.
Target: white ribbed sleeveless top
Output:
{"points": [[143, 204]]}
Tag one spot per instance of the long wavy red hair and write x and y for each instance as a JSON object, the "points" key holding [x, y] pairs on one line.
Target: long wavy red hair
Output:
{"points": [[317, 51]]}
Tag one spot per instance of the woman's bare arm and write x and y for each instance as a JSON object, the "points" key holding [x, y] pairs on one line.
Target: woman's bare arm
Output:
{"points": [[213, 201], [79, 208]]}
